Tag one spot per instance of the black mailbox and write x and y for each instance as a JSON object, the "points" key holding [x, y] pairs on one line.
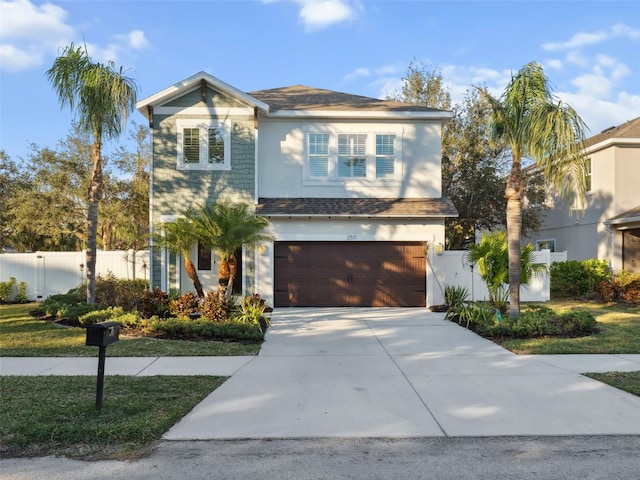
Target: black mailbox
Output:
{"points": [[102, 334]]}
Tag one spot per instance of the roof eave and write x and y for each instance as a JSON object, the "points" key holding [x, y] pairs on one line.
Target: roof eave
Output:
{"points": [[386, 114], [192, 82], [609, 142], [623, 221]]}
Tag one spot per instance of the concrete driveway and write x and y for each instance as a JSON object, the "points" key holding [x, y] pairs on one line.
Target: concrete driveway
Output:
{"points": [[387, 372]]}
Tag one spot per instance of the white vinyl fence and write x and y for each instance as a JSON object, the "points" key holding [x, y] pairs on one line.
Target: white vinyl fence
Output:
{"points": [[50, 273], [452, 268]]}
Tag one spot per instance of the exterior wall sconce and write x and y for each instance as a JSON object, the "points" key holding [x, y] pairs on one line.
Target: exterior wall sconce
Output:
{"points": [[439, 248]]}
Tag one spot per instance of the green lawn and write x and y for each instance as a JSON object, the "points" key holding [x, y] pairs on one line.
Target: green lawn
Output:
{"points": [[22, 335], [57, 415], [619, 332]]}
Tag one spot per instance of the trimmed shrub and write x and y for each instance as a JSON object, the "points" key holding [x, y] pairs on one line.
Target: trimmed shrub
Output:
{"points": [[578, 278], [185, 305], [203, 329], [6, 289], [120, 293], [216, 307], [102, 315], [624, 287], [154, 303]]}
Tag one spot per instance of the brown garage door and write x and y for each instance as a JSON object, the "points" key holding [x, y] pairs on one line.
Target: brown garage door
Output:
{"points": [[354, 274]]}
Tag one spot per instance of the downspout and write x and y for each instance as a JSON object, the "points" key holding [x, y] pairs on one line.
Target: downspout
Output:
{"points": [[256, 262], [151, 125], [612, 241]]}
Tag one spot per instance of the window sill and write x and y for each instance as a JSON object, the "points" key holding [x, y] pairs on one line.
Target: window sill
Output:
{"points": [[361, 182], [203, 167]]}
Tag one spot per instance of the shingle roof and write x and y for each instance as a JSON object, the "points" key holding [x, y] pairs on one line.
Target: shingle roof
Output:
{"points": [[624, 217], [300, 97], [357, 207], [630, 129]]}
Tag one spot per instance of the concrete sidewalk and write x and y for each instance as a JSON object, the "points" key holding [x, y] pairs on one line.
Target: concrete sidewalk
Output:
{"points": [[382, 372]]}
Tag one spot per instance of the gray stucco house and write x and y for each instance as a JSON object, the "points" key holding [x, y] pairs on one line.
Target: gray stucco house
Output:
{"points": [[350, 184], [609, 227]]}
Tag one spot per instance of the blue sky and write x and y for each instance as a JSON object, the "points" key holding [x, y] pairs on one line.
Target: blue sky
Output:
{"points": [[590, 50]]}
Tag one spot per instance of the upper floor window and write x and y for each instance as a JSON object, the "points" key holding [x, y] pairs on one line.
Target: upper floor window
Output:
{"points": [[588, 176], [339, 157], [203, 145]]}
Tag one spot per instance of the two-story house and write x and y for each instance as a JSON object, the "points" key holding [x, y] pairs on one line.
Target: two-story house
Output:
{"points": [[350, 184], [609, 227]]}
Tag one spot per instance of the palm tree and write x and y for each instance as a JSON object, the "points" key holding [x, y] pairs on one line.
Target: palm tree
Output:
{"points": [[102, 97], [226, 227], [492, 259], [534, 124], [179, 237]]}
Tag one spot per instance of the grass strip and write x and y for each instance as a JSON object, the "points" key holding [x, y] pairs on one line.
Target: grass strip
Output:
{"points": [[627, 381], [57, 416], [22, 335], [619, 327]]}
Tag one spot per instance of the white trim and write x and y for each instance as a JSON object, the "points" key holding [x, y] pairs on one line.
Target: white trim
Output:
{"points": [[203, 125], [546, 240], [371, 131], [205, 111], [611, 142], [382, 114], [180, 88]]}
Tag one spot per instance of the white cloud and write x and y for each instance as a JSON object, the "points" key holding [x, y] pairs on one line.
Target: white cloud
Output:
{"points": [[23, 20], [583, 39], [14, 59], [137, 40], [319, 14], [31, 34], [599, 114], [357, 73], [553, 63]]}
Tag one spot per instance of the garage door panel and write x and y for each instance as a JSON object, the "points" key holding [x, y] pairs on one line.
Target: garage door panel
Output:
{"points": [[350, 274]]}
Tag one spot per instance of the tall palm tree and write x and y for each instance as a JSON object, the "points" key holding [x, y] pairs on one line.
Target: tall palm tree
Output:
{"points": [[179, 237], [226, 227], [102, 98], [534, 124]]}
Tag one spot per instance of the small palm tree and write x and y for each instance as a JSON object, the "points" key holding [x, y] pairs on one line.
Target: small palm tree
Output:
{"points": [[225, 227], [529, 120], [102, 96], [179, 237], [492, 259]]}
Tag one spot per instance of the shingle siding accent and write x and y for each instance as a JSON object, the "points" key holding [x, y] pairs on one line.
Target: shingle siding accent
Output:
{"points": [[214, 99]]}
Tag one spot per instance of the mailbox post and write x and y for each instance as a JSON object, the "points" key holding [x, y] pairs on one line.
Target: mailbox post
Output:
{"points": [[100, 335]]}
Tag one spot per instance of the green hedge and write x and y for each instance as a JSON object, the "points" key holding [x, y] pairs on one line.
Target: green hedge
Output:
{"points": [[578, 278], [201, 328]]}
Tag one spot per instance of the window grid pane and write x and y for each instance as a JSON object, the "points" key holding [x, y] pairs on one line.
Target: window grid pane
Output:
{"points": [[385, 156], [352, 151], [216, 146], [319, 155], [191, 145]]}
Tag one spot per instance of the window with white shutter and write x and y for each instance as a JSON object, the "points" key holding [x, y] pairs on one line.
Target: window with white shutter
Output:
{"points": [[203, 145], [356, 156]]}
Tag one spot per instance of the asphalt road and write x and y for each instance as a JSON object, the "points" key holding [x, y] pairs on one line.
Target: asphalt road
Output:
{"points": [[495, 458]]}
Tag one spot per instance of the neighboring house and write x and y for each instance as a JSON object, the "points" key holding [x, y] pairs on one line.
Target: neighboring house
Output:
{"points": [[351, 185], [609, 227]]}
